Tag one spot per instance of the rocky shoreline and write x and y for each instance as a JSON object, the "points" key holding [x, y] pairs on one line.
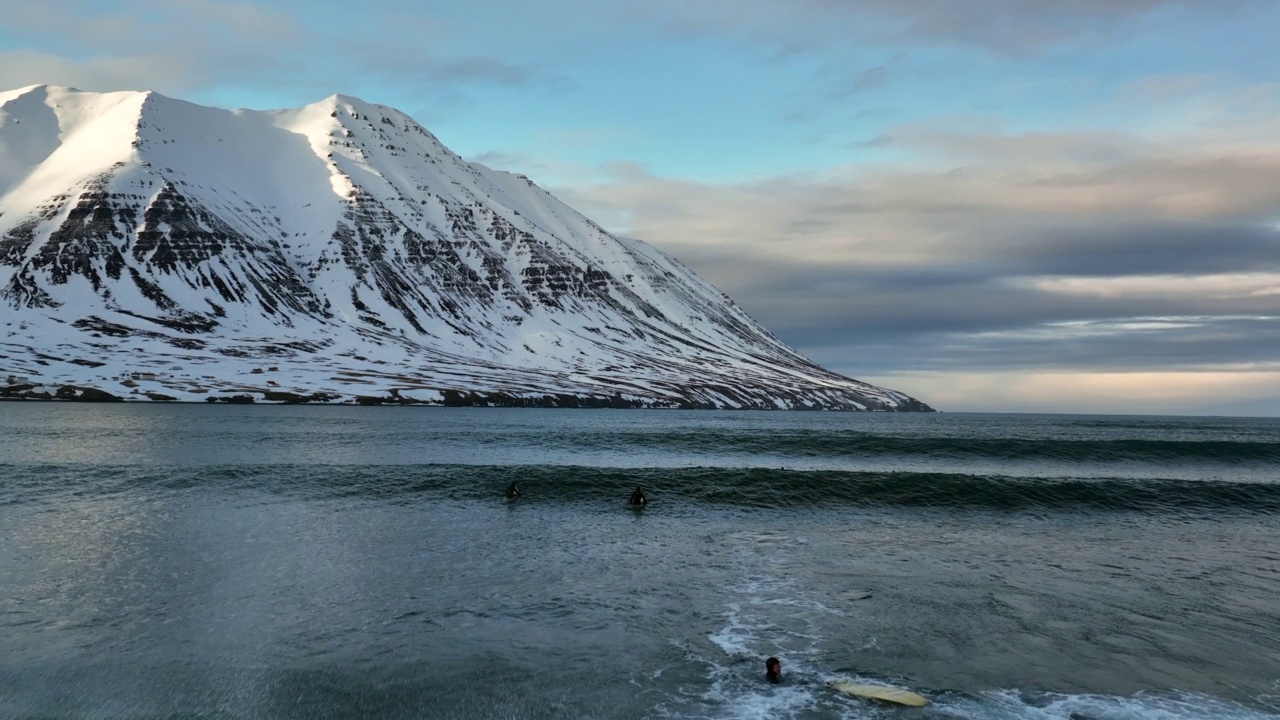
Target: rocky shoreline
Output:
{"points": [[447, 398]]}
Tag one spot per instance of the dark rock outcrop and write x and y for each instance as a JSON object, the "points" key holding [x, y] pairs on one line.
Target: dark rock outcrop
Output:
{"points": [[85, 394]]}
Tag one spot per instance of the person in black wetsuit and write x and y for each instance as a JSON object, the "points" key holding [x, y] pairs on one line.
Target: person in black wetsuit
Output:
{"points": [[773, 670], [513, 492], [637, 497]]}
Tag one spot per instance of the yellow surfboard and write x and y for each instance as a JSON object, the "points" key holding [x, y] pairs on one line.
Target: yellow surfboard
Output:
{"points": [[880, 692]]}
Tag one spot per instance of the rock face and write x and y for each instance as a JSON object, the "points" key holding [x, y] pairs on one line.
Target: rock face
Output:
{"points": [[339, 251]]}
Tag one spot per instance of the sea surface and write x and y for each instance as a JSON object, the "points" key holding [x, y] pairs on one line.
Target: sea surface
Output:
{"points": [[188, 561]]}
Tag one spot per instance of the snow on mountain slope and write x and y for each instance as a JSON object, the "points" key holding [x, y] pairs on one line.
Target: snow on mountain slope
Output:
{"points": [[340, 248]]}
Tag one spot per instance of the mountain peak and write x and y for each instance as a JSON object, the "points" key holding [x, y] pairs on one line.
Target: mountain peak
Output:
{"points": [[351, 101], [7, 96], [342, 249]]}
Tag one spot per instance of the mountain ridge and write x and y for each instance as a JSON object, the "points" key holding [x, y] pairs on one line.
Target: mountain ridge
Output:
{"points": [[343, 241]]}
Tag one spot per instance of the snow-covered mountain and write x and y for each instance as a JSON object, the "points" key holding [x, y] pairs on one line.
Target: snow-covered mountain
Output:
{"points": [[339, 251]]}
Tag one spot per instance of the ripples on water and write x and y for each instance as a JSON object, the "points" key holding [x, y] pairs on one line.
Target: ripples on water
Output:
{"points": [[189, 561], [763, 489]]}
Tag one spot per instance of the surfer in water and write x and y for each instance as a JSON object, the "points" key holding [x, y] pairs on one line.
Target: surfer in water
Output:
{"points": [[637, 497], [513, 492], [773, 670]]}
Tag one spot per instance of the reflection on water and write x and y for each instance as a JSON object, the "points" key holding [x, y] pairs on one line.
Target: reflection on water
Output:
{"points": [[74, 570]]}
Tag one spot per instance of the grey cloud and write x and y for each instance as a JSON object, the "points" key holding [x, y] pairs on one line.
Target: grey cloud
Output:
{"points": [[483, 68], [881, 140], [820, 303], [499, 160], [1007, 27], [1211, 345], [175, 46], [520, 163], [201, 48], [1138, 249], [19, 68], [423, 65], [950, 266], [862, 81], [952, 321], [876, 113]]}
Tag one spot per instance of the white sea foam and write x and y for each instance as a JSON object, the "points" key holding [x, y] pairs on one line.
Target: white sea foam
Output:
{"points": [[774, 616], [763, 703], [769, 616], [1013, 705], [727, 699], [734, 638]]}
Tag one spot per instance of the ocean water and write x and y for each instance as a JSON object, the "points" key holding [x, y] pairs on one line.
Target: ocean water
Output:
{"points": [[186, 561]]}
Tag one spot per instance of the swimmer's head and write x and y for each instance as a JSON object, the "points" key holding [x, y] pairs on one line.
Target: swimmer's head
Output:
{"points": [[773, 670]]}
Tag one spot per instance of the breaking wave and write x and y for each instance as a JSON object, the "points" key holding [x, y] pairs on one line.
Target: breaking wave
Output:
{"points": [[744, 488], [811, 444]]}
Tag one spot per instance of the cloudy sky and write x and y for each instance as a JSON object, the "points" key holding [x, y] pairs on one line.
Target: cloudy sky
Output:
{"points": [[1022, 205]]}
